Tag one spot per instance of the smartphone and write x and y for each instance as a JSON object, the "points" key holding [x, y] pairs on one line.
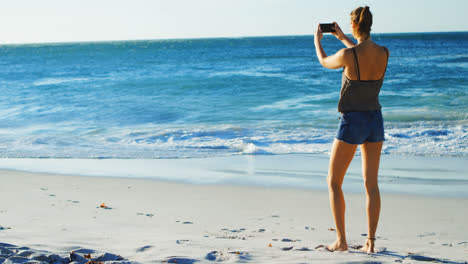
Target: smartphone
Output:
{"points": [[327, 27]]}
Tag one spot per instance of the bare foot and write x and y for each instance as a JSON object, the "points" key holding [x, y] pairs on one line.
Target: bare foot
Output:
{"points": [[337, 246], [369, 246]]}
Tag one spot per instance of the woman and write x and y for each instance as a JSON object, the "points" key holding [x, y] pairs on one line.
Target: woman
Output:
{"points": [[364, 65]]}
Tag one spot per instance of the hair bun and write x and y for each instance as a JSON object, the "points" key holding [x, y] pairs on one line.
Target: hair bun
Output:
{"points": [[362, 17]]}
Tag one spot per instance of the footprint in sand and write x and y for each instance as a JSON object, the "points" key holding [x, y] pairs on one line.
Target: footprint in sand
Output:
{"points": [[143, 249], [227, 231], [286, 240], [180, 260], [232, 256], [231, 237], [149, 215], [303, 249], [427, 234], [297, 249], [234, 230], [217, 256], [184, 223], [289, 240]]}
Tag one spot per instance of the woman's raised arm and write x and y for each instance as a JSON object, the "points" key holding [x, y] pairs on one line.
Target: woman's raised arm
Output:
{"points": [[334, 61]]}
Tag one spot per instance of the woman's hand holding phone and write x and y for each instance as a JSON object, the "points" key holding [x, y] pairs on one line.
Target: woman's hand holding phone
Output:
{"points": [[338, 32]]}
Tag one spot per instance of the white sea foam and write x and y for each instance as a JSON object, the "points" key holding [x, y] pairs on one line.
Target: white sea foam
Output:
{"points": [[429, 138], [412, 138], [51, 81], [454, 65], [298, 103]]}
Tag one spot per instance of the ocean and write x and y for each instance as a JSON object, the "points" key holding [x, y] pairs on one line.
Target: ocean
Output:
{"points": [[192, 98]]}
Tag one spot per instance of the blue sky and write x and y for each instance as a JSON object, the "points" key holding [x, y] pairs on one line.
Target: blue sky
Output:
{"points": [[32, 21]]}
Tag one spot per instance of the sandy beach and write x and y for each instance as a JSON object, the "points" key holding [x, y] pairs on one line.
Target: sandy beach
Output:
{"points": [[158, 221], [197, 132]]}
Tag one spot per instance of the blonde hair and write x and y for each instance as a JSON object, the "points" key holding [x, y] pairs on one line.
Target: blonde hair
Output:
{"points": [[362, 18]]}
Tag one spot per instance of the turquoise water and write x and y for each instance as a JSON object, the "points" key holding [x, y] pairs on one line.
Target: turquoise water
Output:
{"points": [[221, 97]]}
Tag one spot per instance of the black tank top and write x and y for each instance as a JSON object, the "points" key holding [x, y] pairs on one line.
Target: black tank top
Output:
{"points": [[357, 95]]}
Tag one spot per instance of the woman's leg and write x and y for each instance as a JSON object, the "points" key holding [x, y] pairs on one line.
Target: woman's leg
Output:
{"points": [[341, 156], [370, 169]]}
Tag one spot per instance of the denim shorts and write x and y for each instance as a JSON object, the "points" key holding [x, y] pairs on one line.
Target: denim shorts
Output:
{"points": [[359, 127]]}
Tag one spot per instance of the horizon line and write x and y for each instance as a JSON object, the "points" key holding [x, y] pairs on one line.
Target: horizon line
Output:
{"points": [[200, 38]]}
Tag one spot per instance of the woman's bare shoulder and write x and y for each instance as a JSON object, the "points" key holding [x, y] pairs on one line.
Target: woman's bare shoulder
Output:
{"points": [[384, 48], [348, 56]]}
